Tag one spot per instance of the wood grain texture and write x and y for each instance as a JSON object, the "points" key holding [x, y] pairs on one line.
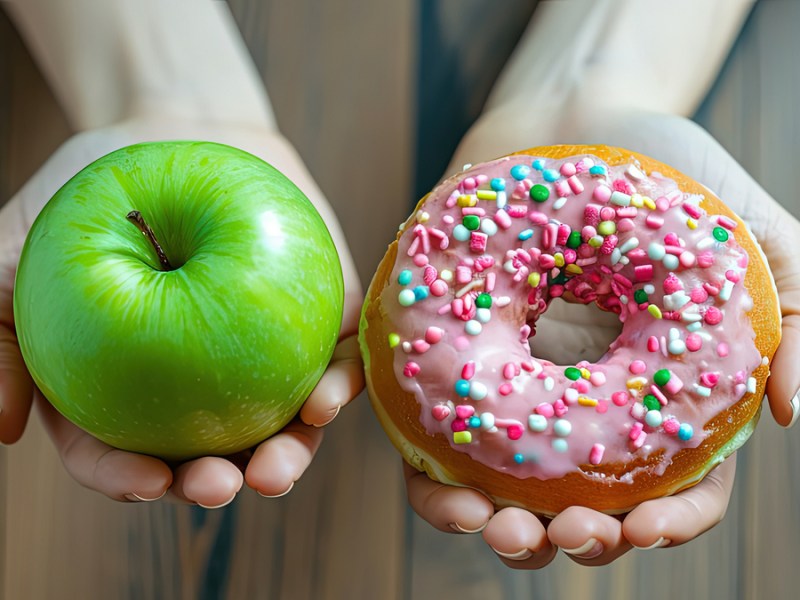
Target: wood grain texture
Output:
{"points": [[342, 80]]}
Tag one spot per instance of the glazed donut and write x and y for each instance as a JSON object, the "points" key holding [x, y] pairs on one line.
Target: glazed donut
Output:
{"points": [[447, 321]]}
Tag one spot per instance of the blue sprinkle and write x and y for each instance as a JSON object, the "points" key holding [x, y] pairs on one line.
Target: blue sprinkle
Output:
{"points": [[475, 422], [519, 459], [551, 175], [597, 170], [538, 164], [526, 234], [520, 172], [404, 278], [462, 388], [685, 432], [498, 184], [421, 292]]}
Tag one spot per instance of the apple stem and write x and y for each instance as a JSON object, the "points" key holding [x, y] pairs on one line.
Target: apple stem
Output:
{"points": [[137, 219]]}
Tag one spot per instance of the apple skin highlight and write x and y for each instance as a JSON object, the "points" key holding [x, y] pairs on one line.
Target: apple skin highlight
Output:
{"points": [[208, 357]]}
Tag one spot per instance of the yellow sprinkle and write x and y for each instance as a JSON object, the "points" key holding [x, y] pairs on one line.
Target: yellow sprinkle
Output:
{"points": [[559, 258], [654, 310], [585, 373], [691, 223], [464, 201], [394, 340], [586, 401], [637, 200], [649, 202], [422, 216], [534, 279], [636, 383], [462, 437], [487, 195], [574, 269], [596, 241]]}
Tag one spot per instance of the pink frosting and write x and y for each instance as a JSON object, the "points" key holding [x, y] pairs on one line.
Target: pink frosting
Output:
{"points": [[486, 254]]}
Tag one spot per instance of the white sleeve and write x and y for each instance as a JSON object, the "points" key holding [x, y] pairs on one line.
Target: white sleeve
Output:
{"points": [[655, 55], [109, 60]]}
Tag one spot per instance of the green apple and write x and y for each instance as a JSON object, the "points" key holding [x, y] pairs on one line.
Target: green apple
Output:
{"points": [[178, 299]]}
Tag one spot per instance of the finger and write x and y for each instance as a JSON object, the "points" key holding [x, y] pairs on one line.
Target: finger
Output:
{"points": [[519, 539], [115, 473], [16, 388], [588, 537], [674, 520], [280, 461], [783, 386], [210, 482], [448, 508], [341, 382]]}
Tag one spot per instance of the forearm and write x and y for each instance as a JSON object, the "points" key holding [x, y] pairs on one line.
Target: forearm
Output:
{"points": [[111, 60]]}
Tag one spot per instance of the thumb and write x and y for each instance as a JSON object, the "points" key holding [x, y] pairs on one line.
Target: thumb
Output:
{"points": [[16, 386]]}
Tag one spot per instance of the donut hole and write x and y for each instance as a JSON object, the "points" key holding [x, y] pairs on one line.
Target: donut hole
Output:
{"points": [[569, 332]]}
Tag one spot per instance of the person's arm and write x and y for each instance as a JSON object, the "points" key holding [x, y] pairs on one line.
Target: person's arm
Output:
{"points": [[127, 72]]}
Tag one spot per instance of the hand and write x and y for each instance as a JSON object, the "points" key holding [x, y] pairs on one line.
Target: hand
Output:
{"points": [[522, 540], [272, 467]]}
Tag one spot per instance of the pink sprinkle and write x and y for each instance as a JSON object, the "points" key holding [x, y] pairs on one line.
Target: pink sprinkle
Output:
{"points": [[643, 272], [620, 185], [662, 204], [461, 343], [420, 260], [652, 344], [439, 288], [638, 256], [653, 221], [538, 218], [451, 201], [588, 232], [687, 259], [469, 184], [516, 211], [457, 305], [627, 212], [463, 274], [559, 408], [698, 295], [433, 335], [625, 225], [556, 291], [709, 379], [562, 188], [411, 369], [672, 284], [591, 214], [671, 426], [674, 249], [609, 244], [639, 441], [596, 454], [619, 398], [727, 223], [478, 241], [582, 386], [711, 289], [473, 210], [601, 407], [732, 275], [637, 367], [482, 178], [575, 185], [713, 315], [672, 239], [570, 395], [636, 429], [607, 213], [545, 409], [464, 411], [674, 385], [705, 259], [429, 275], [654, 389], [440, 412], [502, 219], [505, 389], [568, 169], [692, 210], [638, 411], [547, 261], [509, 371], [601, 193], [570, 256], [563, 234], [584, 165], [458, 425], [489, 282], [420, 346], [483, 262], [514, 431], [468, 370], [597, 378], [722, 349], [694, 342]]}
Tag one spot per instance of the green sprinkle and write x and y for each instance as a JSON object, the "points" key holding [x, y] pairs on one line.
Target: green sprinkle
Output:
{"points": [[720, 234], [606, 227], [574, 239], [394, 340], [651, 402], [483, 301], [472, 222], [655, 311], [539, 193], [640, 296], [662, 377], [405, 277], [572, 373]]}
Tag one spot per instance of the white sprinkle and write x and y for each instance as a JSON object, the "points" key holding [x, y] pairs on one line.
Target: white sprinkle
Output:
{"points": [[706, 243], [473, 327], [502, 301], [616, 254], [650, 289], [484, 315], [501, 199], [549, 384], [629, 245], [478, 391], [537, 423], [560, 203], [562, 427], [751, 385], [487, 420], [620, 199], [702, 390], [725, 292], [670, 261]]}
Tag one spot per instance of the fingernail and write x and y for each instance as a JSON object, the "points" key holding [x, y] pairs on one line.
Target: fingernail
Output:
{"points": [[289, 489], [335, 414], [228, 501], [523, 554], [460, 529], [795, 403], [590, 549], [660, 543], [137, 498]]}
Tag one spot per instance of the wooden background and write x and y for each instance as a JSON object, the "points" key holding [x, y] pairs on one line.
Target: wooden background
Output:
{"points": [[344, 79]]}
